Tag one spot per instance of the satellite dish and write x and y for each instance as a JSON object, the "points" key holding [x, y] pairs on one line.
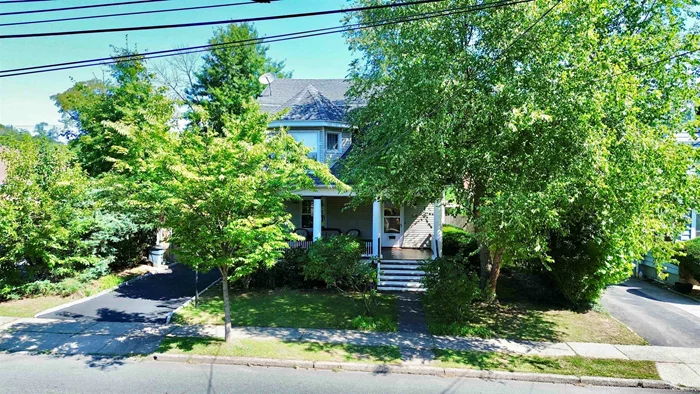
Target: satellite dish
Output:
{"points": [[267, 78]]}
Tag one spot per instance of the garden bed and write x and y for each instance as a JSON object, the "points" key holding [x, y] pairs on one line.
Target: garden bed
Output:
{"points": [[291, 308], [570, 365], [30, 306], [278, 349]]}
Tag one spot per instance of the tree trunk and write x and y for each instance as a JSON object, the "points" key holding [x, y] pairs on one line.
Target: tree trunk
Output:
{"points": [[227, 304], [490, 261]]}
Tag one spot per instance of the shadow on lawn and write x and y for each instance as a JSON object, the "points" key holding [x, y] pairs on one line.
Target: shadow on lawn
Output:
{"points": [[216, 346], [285, 308], [509, 321]]}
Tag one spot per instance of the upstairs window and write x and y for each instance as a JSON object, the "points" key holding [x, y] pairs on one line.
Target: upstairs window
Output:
{"points": [[332, 141]]}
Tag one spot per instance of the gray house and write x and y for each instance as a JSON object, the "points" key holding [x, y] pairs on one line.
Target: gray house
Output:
{"points": [[400, 236]]}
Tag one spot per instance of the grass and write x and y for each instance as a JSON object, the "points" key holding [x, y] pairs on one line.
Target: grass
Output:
{"points": [[514, 317], [278, 349], [292, 308], [28, 307], [577, 365], [523, 321]]}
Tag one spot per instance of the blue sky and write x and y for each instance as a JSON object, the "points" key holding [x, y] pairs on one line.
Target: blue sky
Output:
{"points": [[25, 100]]}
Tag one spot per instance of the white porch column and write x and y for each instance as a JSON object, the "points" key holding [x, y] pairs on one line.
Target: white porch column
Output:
{"points": [[317, 218], [438, 214], [376, 228], [693, 223]]}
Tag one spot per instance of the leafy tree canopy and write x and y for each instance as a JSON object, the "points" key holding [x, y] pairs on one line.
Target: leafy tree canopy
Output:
{"points": [[101, 115], [229, 77], [537, 115]]}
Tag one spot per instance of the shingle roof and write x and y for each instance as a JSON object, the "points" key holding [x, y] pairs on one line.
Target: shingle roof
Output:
{"points": [[307, 99]]}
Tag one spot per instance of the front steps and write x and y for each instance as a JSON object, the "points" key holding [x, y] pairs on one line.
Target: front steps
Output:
{"points": [[401, 275]]}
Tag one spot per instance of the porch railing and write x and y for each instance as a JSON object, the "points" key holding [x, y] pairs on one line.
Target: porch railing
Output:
{"points": [[366, 246]]}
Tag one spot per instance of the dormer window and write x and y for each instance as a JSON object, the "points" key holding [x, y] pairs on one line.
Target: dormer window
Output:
{"points": [[332, 141]]}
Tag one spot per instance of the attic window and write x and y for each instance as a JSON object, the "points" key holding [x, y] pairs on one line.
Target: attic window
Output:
{"points": [[332, 141]]}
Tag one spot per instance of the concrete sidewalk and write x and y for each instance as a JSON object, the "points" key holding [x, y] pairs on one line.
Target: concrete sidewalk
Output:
{"points": [[675, 365]]}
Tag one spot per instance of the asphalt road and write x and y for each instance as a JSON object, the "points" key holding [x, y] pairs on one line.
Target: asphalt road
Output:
{"points": [[23, 373], [148, 300], [661, 317]]}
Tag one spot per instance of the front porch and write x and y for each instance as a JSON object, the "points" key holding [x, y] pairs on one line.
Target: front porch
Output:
{"points": [[387, 231]]}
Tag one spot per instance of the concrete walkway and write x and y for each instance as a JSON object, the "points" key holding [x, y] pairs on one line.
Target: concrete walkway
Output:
{"points": [[148, 300], [661, 317], [675, 365], [412, 324]]}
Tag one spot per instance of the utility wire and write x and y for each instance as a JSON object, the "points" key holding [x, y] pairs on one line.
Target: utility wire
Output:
{"points": [[77, 18], [219, 22], [526, 31], [79, 7], [261, 40], [23, 1]]}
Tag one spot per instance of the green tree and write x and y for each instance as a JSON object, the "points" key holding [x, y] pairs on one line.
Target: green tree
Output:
{"points": [[115, 126], [229, 76], [542, 114], [45, 215], [224, 195], [100, 115]]}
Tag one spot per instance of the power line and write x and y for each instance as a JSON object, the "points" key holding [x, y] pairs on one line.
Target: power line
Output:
{"points": [[80, 7], [526, 31], [253, 41], [76, 18], [23, 1], [219, 22]]}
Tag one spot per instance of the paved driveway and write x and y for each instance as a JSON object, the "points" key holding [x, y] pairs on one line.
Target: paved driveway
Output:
{"points": [[661, 317], [148, 300]]}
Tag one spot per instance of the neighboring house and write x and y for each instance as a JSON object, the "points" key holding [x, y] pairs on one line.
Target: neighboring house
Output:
{"points": [[314, 113], [647, 267]]}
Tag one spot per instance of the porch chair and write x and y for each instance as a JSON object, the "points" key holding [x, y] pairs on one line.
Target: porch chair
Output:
{"points": [[354, 232]]}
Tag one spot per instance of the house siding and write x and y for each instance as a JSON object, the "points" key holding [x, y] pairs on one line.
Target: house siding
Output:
{"points": [[418, 226], [339, 217], [294, 207]]}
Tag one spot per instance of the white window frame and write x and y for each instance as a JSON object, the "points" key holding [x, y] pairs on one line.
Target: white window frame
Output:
{"points": [[324, 213], [339, 137]]}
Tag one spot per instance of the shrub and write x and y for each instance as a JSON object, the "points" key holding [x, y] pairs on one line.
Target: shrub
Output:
{"points": [[287, 272], [458, 242], [689, 265], [337, 262], [578, 270], [451, 286]]}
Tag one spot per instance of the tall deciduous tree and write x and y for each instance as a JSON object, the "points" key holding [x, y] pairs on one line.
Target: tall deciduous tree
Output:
{"points": [[229, 76], [539, 115], [100, 115], [223, 194]]}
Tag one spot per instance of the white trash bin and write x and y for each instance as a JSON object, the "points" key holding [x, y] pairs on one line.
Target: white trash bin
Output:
{"points": [[156, 256]]}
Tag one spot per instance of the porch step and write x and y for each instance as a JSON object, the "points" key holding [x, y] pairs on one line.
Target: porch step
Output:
{"points": [[402, 277], [400, 267], [390, 261], [410, 289], [403, 272]]}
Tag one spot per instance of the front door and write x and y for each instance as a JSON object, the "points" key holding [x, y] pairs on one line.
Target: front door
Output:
{"points": [[392, 233]]}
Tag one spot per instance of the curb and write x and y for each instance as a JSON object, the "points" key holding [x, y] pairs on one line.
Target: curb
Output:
{"points": [[103, 292], [418, 370], [170, 315]]}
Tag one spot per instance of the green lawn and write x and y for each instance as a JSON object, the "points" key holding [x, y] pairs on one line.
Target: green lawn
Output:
{"points": [[520, 320], [578, 366], [278, 349], [292, 308], [28, 307]]}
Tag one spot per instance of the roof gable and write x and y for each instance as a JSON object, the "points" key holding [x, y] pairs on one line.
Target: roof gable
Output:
{"points": [[307, 99]]}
